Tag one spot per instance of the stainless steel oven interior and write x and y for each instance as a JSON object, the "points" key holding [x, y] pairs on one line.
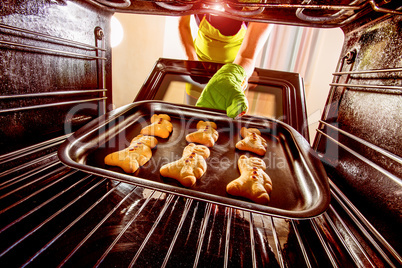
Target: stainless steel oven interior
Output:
{"points": [[55, 71]]}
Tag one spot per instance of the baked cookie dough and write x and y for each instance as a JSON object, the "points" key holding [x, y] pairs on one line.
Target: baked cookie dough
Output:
{"points": [[253, 183], [252, 141], [190, 167], [160, 126], [206, 134], [137, 154]]}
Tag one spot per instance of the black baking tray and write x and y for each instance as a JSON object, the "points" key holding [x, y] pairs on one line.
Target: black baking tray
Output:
{"points": [[300, 185]]}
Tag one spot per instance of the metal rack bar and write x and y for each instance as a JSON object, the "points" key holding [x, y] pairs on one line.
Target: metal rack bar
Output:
{"points": [[161, 213], [50, 218], [372, 3], [335, 79], [47, 94], [45, 202], [100, 51], [202, 233], [48, 244], [264, 220], [8, 157], [59, 52], [180, 225], [192, 221], [31, 182], [364, 159], [71, 42], [99, 38], [243, 216], [17, 109], [362, 223], [228, 213], [221, 244], [376, 8], [214, 213], [277, 244], [350, 235], [252, 240], [323, 242], [331, 17], [124, 230], [365, 143], [366, 86], [29, 174], [369, 71], [96, 228], [35, 161], [301, 244], [125, 3]]}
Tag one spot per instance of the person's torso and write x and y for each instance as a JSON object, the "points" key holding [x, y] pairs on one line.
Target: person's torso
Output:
{"points": [[226, 26], [218, 38]]}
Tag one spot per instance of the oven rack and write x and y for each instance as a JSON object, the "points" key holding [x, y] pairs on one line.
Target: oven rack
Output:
{"points": [[64, 217], [28, 41], [354, 5], [326, 13], [376, 74], [370, 78], [374, 147], [339, 144]]}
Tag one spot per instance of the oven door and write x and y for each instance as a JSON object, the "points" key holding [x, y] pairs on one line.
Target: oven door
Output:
{"points": [[273, 94]]}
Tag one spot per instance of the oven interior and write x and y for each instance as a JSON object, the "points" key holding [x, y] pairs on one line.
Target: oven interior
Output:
{"points": [[55, 72]]}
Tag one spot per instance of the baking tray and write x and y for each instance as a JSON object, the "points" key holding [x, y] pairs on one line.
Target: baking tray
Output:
{"points": [[300, 185]]}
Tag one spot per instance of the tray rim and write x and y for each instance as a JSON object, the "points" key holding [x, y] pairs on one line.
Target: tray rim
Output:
{"points": [[64, 154]]}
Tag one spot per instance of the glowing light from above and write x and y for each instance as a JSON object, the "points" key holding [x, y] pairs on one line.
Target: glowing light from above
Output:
{"points": [[217, 7], [117, 32]]}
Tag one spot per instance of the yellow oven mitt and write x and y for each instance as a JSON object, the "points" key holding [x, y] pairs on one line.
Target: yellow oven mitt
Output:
{"points": [[224, 91]]}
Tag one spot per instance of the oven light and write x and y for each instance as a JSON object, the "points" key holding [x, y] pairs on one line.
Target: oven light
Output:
{"points": [[217, 7], [117, 32]]}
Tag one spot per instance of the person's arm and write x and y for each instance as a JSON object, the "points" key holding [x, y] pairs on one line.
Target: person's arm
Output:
{"points": [[224, 90], [186, 38], [255, 38]]}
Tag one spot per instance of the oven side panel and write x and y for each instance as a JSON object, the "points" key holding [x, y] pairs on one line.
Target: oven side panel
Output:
{"points": [[55, 73], [360, 136]]}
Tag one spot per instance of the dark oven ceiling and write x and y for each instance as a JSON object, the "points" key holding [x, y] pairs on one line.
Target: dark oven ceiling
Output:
{"points": [[313, 13]]}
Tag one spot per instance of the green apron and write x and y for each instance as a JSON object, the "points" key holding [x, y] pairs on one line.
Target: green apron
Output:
{"points": [[212, 46]]}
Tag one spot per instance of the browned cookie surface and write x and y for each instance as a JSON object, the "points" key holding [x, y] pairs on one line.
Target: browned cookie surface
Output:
{"points": [[137, 154], [253, 183], [160, 126], [252, 141], [190, 167], [206, 134]]}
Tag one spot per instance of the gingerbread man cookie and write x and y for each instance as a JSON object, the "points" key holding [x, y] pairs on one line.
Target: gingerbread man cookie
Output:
{"points": [[206, 134], [136, 155], [160, 126], [190, 167], [252, 141], [253, 182]]}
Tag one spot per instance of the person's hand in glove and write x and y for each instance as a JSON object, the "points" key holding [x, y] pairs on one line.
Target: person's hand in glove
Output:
{"points": [[224, 91]]}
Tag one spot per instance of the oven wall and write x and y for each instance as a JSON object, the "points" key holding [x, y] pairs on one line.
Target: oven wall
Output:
{"points": [[53, 79], [360, 134]]}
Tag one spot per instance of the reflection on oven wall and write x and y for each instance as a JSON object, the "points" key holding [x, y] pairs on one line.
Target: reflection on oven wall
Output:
{"points": [[312, 52]]}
